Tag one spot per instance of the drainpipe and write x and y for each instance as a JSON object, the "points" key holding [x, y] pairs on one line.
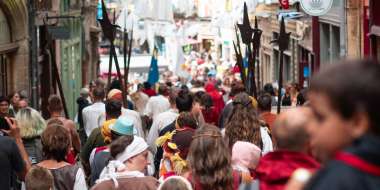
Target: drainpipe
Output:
{"points": [[343, 30], [33, 66]]}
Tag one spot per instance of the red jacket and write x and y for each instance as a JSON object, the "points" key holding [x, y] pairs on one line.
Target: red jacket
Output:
{"points": [[275, 168], [217, 98], [149, 92]]}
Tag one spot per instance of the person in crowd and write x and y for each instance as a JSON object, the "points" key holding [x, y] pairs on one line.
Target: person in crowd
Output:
{"points": [[176, 146], [4, 107], [115, 87], [210, 161], [346, 134], [216, 96], [209, 112], [82, 102], [101, 155], [286, 98], [91, 114], [55, 108], [13, 157], [245, 157], [162, 120], [148, 89], [132, 115], [126, 169], [55, 145], [184, 103], [157, 104], [39, 178], [31, 126], [198, 86], [140, 99], [268, 88], [302, 97], [23, 103], [101, 136], [244, 125], [290, 131], [13, 108], [175, 183], [265, 107], [236, 88]]}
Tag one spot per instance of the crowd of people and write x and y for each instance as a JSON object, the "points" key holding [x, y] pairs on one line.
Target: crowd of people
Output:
{"points": [[194, 137]]}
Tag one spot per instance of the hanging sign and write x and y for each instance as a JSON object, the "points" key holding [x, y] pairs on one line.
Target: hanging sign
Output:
{"points": [[316, 7]]}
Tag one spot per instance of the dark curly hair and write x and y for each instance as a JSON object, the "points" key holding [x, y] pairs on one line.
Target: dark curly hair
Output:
{"points": [[210, 159], [243, 123]]}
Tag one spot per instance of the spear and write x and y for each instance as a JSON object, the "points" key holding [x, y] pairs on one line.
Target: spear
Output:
{"points": [[125, 38], [283, 42], [129, 55], [256, 48], [246, 35], [109, 31]]}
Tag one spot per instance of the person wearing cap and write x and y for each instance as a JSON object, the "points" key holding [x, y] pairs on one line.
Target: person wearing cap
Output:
{"points": [[126, 169], [100, 155], [116, 95], [100, 136]]}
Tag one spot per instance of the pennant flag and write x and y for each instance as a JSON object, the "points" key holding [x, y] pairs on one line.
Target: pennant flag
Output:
{"points": [[284, 4], [153, 70]]}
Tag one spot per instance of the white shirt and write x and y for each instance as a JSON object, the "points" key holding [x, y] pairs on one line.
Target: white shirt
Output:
{"points": [[162, 120], [131, 115], [91, 115], [156, 105], [141, 99]]}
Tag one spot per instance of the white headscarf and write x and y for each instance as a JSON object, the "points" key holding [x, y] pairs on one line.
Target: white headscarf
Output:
{"points": [[137, 146]]}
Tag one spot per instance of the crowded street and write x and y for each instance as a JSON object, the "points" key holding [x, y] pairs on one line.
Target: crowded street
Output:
{"points": [[189, 95]]}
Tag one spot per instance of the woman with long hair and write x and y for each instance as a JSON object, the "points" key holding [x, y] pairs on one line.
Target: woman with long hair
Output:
{"points": [[244, 125], [210, 161], [31, 126]]}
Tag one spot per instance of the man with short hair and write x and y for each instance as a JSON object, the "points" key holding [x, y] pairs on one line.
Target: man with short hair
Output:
{"points": [[184, 103], [91, 114], [290, 132], [157, 104], [97, 137], [265, 107], [162, 120], [55, 108]]}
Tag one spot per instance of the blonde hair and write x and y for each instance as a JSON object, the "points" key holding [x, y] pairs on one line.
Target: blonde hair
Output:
{"points": [[30, 122]]}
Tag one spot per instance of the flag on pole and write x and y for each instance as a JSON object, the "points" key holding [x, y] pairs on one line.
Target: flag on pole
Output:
{"points": [[153, 70]]}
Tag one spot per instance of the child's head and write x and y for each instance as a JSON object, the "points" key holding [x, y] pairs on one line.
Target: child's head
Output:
{"points": [[175, 183], [245, 154], [39, 178], [345, 99]]}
